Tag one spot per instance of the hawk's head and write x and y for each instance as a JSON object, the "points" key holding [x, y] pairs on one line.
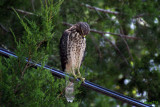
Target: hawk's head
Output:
{"points": [[83, 28]]}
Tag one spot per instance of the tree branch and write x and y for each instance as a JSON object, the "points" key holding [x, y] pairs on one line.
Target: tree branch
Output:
{"points": [[119, 35], [67, 24], [97, 47], [23, 11], [99, 9], [32, 1], [4, 28], [141, 15], [109, 11], [116, 48], [126, 44]]}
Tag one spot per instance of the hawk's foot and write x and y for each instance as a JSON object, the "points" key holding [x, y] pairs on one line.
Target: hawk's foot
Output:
{"points": [[75, 76], [81, 78]]}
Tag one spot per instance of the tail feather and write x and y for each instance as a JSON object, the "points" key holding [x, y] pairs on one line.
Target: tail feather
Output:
{"points": [[69, 91]]}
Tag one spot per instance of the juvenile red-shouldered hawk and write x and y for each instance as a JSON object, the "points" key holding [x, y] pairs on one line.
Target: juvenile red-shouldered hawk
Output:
{"points": [[72, 48]]}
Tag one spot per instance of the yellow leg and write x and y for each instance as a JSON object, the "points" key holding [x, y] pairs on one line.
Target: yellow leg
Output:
{"points": [[73, 73], [77, 76], [81, 78]]}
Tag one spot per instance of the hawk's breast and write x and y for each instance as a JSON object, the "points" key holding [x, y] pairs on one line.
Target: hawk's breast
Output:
{"points": [[76, 49]]}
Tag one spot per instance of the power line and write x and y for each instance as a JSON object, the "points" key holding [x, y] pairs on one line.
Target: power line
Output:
{"points": [[86, 84]]}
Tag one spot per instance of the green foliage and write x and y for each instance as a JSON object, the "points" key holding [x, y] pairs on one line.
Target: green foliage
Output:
{"points": [[22, 85], [30, 87]]}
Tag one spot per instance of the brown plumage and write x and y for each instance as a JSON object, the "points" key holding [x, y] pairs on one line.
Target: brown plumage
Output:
{"points": [[72, 48]]}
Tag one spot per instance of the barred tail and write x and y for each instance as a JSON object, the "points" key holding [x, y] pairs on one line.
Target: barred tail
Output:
{"points": [[69, 91]]}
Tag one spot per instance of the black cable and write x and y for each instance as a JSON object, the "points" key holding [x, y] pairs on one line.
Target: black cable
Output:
{"points": [[86, 84]]}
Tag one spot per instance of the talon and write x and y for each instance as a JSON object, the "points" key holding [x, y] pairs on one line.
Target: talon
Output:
{"points": [[83, 80], [75, 76]]}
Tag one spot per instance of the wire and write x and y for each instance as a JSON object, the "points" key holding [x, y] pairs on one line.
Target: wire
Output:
{"points": [[86, 84]]}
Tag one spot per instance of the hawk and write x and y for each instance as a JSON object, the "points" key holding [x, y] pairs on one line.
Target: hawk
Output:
{"points": [[72, 48]]}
